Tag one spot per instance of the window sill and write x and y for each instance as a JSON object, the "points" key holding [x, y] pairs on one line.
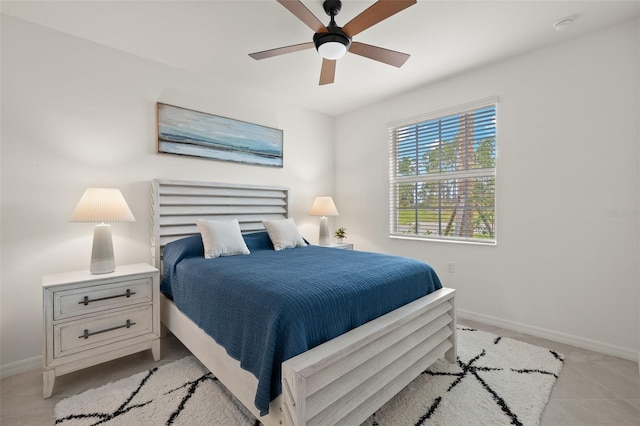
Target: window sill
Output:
{"points": [[444, 240]]}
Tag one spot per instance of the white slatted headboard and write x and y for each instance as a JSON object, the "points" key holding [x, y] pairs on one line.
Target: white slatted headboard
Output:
{"points": [[177, 205]]}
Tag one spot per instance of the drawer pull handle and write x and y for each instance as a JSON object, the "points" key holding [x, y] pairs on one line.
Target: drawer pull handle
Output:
{"points": [[86, 333], [85, 301]]}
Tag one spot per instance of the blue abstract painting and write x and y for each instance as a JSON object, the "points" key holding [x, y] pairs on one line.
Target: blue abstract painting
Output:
{"points": [[185, 132]]}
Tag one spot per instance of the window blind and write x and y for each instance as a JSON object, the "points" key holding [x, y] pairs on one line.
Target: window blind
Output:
{"points": [[442, 176]]}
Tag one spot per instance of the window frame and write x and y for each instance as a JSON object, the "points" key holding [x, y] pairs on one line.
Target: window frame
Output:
{"points": [[395, 180]]}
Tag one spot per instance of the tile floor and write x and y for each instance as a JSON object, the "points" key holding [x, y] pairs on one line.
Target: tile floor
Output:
{"points": [[593, 389]]}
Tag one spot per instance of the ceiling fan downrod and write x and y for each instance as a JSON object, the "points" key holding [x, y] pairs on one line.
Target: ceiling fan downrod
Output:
{"points": [[334, 43], [332, 8]]}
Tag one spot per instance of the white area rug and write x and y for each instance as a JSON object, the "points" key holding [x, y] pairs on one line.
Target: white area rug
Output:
{"points": [[496, 381]]}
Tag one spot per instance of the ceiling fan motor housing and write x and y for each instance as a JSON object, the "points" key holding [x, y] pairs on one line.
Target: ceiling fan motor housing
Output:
{"points": [[333, 35]]}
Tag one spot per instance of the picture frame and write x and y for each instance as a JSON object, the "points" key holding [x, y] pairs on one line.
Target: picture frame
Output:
{"points": [[187, 132]]}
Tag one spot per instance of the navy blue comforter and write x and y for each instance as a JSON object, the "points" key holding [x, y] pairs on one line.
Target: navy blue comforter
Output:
{"points": [[269, 306]]}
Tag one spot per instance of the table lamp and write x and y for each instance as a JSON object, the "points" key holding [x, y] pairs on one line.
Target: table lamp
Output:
{"points": [[102, 205], [323, 206]]}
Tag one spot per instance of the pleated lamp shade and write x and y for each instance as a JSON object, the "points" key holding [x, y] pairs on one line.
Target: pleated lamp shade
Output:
{"points": [[102, 205], [323, 206]]}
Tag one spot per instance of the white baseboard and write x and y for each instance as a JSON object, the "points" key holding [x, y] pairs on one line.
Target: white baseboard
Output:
{"points": [[25, 365], [556, 336], [22, 366]]}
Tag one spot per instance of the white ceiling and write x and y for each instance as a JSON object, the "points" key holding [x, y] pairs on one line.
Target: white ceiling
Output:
{"points": [[214, 38]]}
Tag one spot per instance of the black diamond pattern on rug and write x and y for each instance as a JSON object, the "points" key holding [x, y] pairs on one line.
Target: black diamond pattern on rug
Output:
{"points": [[495, 381]]}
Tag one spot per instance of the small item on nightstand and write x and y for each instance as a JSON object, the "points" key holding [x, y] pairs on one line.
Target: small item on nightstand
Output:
{"points": [[340, 234]]}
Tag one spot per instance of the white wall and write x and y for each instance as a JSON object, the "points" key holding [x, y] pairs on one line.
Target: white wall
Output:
{"points": [[77, 114], [568, 143]]}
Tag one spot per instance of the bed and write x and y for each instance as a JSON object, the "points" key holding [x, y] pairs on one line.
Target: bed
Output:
{"points": [[341, 381]]}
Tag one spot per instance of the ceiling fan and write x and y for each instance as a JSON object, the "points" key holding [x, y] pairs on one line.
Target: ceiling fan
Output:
{"points": [[333, 42]]}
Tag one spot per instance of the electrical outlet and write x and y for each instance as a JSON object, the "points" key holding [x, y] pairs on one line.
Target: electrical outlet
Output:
{"points": [[451, 267]]}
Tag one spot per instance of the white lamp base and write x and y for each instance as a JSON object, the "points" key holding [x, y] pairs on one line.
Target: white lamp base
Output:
{"points": [[323, 238], [102, 261]]}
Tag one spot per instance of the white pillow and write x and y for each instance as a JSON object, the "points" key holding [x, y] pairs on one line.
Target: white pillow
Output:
{"points": [[221, 238], [283, 234]]}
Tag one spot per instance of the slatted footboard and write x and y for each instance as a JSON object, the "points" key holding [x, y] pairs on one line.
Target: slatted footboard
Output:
{"points": [[347, 379]]}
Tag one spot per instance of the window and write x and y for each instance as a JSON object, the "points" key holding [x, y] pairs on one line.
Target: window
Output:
{"points": [[442, 175]]}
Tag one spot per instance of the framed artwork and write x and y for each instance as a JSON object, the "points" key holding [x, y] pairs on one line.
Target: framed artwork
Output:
{"points": [[186, 132]]}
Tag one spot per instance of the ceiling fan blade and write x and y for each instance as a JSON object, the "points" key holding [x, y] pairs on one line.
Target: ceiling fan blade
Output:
{"points": [[281, 50], [391, 57], [328, 71], [377, 12], [300, 10]]}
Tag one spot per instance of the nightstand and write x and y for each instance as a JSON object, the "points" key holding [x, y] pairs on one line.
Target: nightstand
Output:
{"points": [[90, 319], [344, 246]]}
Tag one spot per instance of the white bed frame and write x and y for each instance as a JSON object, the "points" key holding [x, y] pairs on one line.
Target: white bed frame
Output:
{"points": [[342, 381]]}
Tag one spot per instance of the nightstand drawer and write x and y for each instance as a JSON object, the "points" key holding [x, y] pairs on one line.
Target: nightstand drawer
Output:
{"points": [[88, 333], [80, 301]]}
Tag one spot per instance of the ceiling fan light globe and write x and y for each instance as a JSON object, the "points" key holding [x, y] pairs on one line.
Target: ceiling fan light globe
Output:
{"points": [[333, 44], [332, 50]]}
